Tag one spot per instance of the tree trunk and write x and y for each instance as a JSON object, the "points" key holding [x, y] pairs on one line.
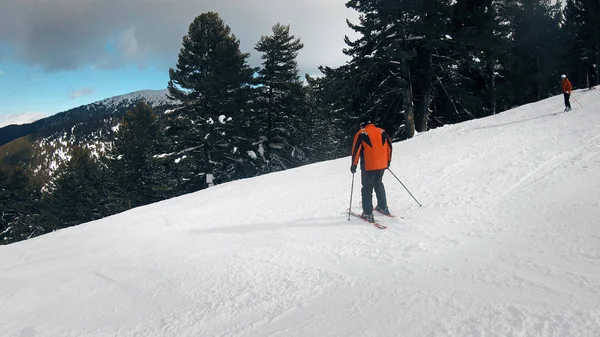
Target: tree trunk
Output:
{"points": [[596, 66], [409, 115], [594, 13], [209, 166], [492, 85], [425, 98], [423, 109], [597, 69], [426, 50], [537, 92]]}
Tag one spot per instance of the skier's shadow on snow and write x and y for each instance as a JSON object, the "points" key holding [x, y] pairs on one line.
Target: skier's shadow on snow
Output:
{"points": [[266, 227], [515, 122]]}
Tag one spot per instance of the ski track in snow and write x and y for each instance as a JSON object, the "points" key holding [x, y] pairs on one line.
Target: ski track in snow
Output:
{"points": [[507, 243]]}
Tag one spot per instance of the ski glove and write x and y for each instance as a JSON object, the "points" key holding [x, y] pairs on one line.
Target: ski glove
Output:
{"points": [[353, 169]]}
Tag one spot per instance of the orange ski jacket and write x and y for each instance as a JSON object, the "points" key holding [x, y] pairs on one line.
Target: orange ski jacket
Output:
{"points": [[566, 85], [374, 147]]}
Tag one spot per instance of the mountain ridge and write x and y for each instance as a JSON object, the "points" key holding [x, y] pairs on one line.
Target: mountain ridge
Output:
{"points": [[154, 98], [40, 146]]}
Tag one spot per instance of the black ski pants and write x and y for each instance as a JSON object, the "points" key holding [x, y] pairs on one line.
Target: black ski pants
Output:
{"points": [[372, 180], [567, 102]]}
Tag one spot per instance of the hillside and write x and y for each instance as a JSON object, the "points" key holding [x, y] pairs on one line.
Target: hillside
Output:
{"points": [[43, 145], [507, 243]]}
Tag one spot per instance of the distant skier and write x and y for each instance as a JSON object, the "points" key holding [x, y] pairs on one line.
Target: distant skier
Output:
{"points": [[566, 89], [374, 148]]}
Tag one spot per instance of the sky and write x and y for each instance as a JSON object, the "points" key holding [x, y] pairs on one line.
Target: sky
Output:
{"points": [[56, 55], [507, 243]]}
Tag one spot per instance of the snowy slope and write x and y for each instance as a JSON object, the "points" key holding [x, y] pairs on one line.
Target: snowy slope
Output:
{"points": [[507, 243]]}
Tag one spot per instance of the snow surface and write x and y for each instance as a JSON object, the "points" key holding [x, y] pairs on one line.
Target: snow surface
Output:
{"points": [[507, 243]]}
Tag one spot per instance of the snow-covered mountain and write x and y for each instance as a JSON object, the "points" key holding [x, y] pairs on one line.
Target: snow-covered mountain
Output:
{"points": [[49, 140], [112, 106], [152, 97], [507, 243]]}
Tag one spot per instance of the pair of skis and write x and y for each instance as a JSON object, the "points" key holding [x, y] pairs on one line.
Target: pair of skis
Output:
{"points": [[376, 224]]}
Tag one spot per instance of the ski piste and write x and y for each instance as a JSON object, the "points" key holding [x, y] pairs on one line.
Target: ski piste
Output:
{"points": [[378, 225]]}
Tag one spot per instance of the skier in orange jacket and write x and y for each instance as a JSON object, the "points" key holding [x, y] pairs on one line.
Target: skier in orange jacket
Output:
{"points": [[566, 89], [373, 147]]}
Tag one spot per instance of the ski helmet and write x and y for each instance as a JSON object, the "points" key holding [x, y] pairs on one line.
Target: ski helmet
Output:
{"points": [[364, 122], [563, 76]]}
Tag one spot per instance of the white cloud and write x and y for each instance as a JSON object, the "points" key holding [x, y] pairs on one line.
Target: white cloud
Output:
{"points": [[21, 118], [1, 72], [67, 34], [81, 92]]}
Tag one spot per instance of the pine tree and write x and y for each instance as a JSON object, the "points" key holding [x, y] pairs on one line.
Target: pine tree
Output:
{"points": [[581, 41], [381, 87], [131, 159], [536, 50], [481, 36], [10, 185], [389, 74], [593, 24], [330, 119], [19, 206], [431, 23], [6, 235], [212, 80], [280, 100], [79, 193]]}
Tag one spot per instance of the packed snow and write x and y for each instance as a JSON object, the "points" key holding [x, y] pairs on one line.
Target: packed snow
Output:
{"points": [[507, 243]]}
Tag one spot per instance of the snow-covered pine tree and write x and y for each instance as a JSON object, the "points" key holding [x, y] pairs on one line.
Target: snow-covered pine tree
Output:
{"points": [[280, 101], [476, 63], [79, 193], [209, 133], [131, 158], [331, 124], [381, 59], [19, 206]]}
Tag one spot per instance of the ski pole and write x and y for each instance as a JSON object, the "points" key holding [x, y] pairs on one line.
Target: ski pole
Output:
{"points": [[351, 192], [577, 102], [405, 187]]}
